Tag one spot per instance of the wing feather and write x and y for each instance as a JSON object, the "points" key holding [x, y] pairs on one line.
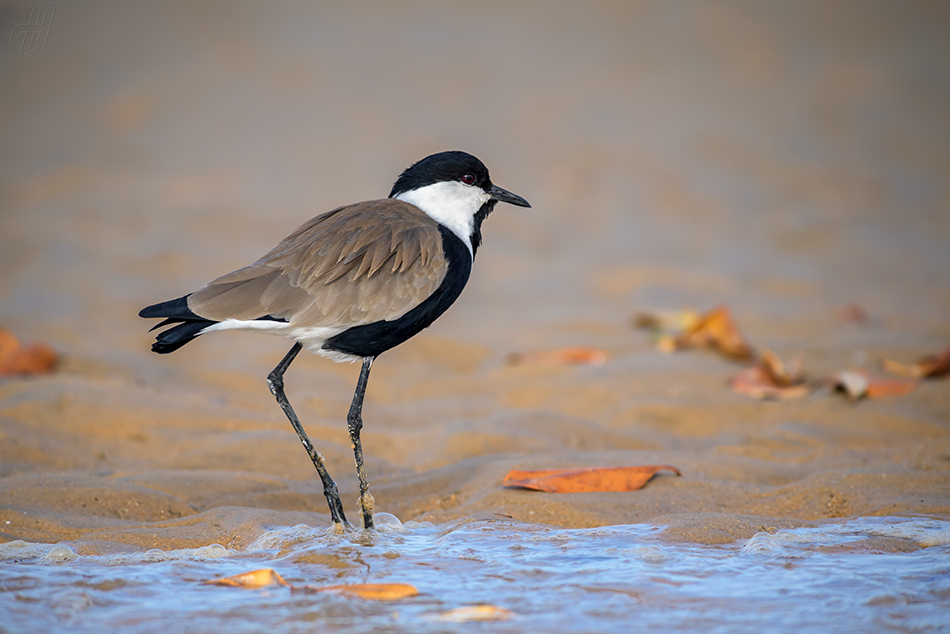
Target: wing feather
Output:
{"points": [[354, 265]]}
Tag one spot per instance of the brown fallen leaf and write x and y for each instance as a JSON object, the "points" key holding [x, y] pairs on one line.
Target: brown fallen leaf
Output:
{"points": [[770, 379], [254, 579], [565, 356], [371, 591], [931, 366], [717, 330], [19, 360], [473, 613], [585, 480], [858, 384], [667, 321], [878, 387], [853, 313]]}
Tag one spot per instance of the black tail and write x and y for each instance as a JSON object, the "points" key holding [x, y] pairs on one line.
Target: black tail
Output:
{"points": [[175, 311]]}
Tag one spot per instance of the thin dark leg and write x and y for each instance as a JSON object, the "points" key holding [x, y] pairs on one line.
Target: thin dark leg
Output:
{"points": [[275, 380], [354, 422]]}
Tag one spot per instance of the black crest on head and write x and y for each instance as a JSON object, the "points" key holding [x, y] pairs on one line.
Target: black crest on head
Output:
{"points": [[444, 166]]}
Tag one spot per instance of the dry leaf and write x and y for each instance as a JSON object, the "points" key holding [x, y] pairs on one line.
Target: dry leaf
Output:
{"points": [[474, 613], [756, 382], [770, 379], [857, 384], [901, 369], [565, 356], [585, 480], [254, 579], [783, 376], [18, 360], [667, 344], [931, 366], [717, 330], [667, 326], [667, 321], [853, 314], [878, 387], [854, 384], [372, 591]]}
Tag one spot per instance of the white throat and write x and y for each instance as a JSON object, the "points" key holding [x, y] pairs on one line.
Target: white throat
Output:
{"points": [[451, 204]]}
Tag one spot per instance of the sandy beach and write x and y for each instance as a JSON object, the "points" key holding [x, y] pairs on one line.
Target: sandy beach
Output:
{"points": [[781, 159]]}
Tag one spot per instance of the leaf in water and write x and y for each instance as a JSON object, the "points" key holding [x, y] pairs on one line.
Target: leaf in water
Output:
{"points": [[372, 591], [770, 379], [585, 480], [565, 356], [473, 613], [857, 384], [15, 359], [254, 579], [931, 366]]}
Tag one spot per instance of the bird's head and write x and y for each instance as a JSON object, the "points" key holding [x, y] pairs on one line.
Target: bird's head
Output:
{"points": [[454, 189]]}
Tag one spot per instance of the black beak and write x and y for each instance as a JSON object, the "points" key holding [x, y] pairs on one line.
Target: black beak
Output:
{"points": [[505, 196]]}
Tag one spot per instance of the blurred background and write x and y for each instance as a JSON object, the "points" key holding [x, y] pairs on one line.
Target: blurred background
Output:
{"points": [[776, 156], [783, 158]]}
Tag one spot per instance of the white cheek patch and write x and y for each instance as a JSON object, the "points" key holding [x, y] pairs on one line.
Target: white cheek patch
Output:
{"points": [[451, 204]]}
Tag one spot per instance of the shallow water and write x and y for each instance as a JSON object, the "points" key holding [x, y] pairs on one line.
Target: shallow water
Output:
{"points": [[552, 580]]}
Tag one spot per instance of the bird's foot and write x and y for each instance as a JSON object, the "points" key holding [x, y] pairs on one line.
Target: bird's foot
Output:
{"points": [[340, 528]]}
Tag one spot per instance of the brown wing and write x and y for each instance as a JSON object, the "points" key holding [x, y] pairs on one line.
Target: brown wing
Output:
{"points": [[354, 265]]}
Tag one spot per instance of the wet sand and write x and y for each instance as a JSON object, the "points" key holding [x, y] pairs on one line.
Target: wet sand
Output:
{"points": [[781, 162]]}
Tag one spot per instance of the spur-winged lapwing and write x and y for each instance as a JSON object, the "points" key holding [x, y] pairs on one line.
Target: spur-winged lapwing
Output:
{"points": [[352, 283]]}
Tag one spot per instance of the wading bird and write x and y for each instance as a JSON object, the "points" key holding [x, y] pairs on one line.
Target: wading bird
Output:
{"points": [[351, 284]]}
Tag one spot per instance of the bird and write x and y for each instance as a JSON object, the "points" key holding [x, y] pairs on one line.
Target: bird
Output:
{"points": [[351, 284]]}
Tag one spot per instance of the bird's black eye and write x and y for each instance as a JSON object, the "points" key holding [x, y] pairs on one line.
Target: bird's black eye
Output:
{"points": [[468, 179]]}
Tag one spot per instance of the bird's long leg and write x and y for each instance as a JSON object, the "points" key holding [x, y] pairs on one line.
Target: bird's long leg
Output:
{"points": [[354, 422], [275, 380]]}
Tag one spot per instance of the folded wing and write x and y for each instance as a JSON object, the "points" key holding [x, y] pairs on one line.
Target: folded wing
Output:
{"points": [[355, 265]]}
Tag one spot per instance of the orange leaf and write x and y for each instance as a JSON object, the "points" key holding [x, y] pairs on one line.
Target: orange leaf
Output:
{"points": [[565, 356], [253, 579], [667, 321], [37, 358], [716, 330], [585, 480], [858, 384], [931, 366], [878, 387], [901, 369], [780, 374], [372, 591], [757, 383], [474, 613], [769, 378], [935, 365]]}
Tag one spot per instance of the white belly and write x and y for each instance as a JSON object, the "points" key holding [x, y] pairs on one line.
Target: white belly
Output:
{"points": [[312, 338]]}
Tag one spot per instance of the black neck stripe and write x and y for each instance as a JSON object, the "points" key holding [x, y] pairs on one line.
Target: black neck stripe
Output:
{"points": [[371, 340]]}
